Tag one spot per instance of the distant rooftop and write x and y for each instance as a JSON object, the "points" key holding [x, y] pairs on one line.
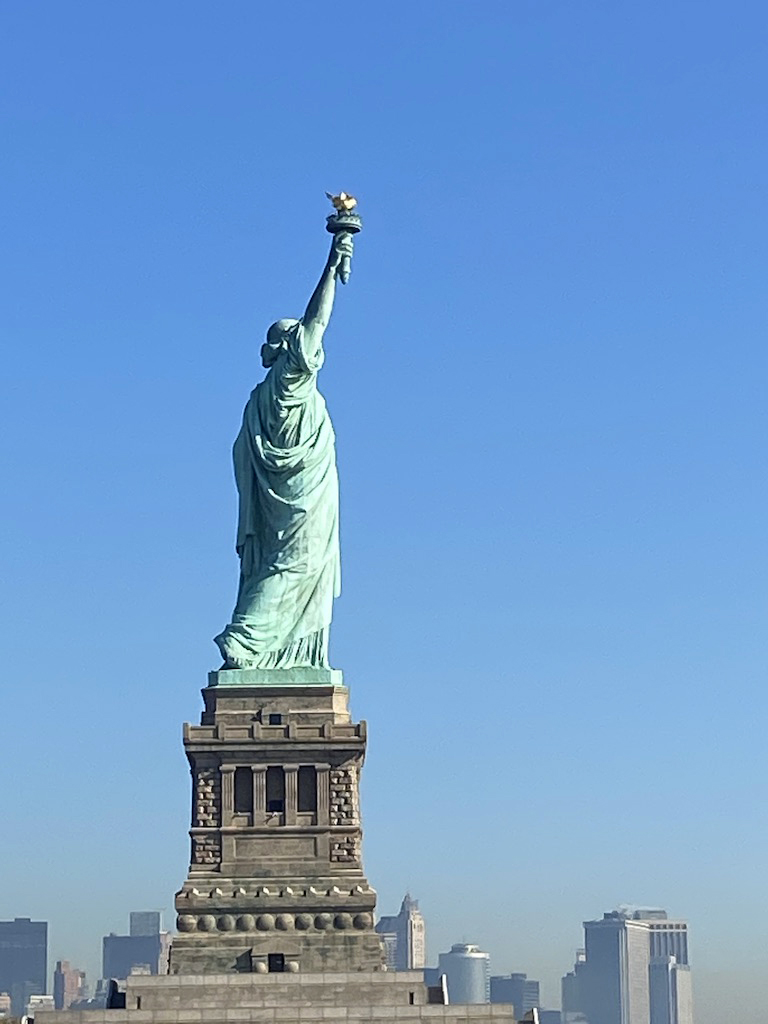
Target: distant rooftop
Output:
{"points": [[629, 913]]}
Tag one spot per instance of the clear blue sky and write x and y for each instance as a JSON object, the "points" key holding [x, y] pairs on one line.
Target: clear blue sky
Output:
{"points": [[548, 380]]}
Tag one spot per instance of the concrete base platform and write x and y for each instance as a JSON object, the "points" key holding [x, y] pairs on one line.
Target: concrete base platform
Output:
{"points": [[281, 998]]}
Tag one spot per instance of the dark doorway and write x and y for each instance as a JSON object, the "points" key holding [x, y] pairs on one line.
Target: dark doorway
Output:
{"points": [[276, 962]]}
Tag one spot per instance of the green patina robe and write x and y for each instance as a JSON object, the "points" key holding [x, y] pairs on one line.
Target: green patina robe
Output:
{"points": [[288, 529]]}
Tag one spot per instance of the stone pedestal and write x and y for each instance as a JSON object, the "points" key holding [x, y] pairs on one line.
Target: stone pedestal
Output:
{"points": [[275, 880], [275, 918]]}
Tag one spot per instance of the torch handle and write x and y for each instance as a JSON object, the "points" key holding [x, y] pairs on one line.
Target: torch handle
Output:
{"points": [[345, 266], [344, 226]]}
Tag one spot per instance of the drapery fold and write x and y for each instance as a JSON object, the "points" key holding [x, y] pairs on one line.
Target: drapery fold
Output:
{"points": [[288, 524]]}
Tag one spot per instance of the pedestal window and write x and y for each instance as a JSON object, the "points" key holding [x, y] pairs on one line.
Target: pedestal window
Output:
{"points": [[275, 790], [307, 800], [243, 800]]}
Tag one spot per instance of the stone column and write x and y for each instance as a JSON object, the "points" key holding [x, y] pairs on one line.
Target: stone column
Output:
{"points": [[291, 793], [323, 794], [259, 794], [227, 793]]}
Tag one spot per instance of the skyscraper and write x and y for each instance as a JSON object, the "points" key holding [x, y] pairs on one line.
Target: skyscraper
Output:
{"points": [[23, 960], [616, 981], [670, 988], [467, 972], [572, 999], [142, 948], [518, 989], [144, 922], [68, 985], [389, 946], [404, 937]]}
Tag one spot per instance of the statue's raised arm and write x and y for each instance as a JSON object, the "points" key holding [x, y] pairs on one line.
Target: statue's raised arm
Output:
{"points": [[285, 469], [320, 305]]}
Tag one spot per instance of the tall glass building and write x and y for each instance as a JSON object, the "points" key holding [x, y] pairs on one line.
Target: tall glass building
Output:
{"points": [[670, 991], [616, 981], [518, 989], [23, 961]]}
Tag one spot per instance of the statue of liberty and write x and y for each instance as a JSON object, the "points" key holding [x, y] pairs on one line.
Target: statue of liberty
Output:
{"points": [[285, 470]]}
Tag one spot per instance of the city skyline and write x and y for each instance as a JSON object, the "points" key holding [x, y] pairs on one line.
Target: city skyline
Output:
{"points": [[667, 953], [549, 442]]}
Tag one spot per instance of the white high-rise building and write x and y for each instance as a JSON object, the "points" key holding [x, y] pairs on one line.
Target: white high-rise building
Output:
{"points": [[615, 985], [670, 991], [404, 937], [467, 972]]}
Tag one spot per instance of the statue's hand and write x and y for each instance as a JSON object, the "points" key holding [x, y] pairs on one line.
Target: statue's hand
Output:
{"points": [[343, 246]]}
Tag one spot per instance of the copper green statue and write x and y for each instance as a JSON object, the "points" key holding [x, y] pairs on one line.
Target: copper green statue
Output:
{"points": [[285, 469]]}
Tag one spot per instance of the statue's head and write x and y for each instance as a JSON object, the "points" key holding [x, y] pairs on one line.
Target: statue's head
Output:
{"points": [[277, 337]]}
